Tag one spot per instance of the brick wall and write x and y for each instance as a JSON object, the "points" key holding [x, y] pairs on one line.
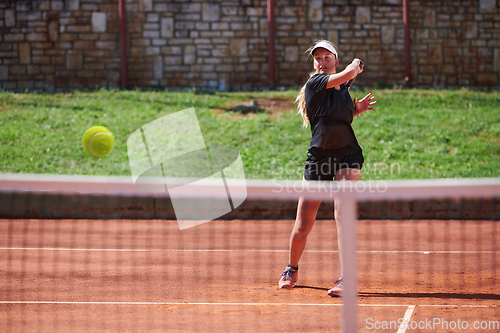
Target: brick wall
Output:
{"points": [[59, 44]]}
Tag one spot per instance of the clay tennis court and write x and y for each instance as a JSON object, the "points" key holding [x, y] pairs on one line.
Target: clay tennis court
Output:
{"points": [[149, 276]]}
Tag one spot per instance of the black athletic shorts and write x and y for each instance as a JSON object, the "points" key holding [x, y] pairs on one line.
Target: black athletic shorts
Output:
{"points": [[324, 167]]}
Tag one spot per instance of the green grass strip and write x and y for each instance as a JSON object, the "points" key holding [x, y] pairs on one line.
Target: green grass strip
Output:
{"points": [[413, 134]]}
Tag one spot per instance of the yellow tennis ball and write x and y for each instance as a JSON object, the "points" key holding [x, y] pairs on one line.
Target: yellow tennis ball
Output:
{"points": [[98, 141]]}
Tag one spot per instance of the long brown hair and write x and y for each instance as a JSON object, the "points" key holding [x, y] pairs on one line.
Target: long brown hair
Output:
{"points": [[300, 100]]}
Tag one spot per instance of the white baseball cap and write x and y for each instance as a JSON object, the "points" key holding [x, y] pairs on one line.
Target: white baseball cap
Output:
{"points": [[324, 45]]}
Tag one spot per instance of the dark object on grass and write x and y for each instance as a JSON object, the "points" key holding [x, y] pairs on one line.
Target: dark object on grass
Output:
{"points": [[247, 107]]}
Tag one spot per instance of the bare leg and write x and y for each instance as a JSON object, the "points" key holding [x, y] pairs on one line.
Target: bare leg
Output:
{"points": [[349, 174], [306, 215]]}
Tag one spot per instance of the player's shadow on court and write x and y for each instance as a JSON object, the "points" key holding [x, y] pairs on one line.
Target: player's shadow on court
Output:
{"points": [[432, 295], [416, 295], [310, 287]]}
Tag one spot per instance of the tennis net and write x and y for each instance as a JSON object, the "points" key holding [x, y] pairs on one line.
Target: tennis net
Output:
{"points": [[97, 254]]}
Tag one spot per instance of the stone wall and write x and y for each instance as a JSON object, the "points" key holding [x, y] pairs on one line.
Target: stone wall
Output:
{"points": [[223, 45], [58, 44], [456, 43]]}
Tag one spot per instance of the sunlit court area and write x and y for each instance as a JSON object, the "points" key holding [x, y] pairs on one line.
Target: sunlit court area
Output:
{"points": [[148, 274]]}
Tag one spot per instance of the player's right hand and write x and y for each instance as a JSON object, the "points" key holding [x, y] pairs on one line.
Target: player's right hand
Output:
{"points": [[359, 64]]}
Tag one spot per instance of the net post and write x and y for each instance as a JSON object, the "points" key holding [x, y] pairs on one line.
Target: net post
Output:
{"points": [[348, 211]]}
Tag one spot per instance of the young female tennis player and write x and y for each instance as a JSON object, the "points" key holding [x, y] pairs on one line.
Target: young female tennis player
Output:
{"points": [[334, 153]]}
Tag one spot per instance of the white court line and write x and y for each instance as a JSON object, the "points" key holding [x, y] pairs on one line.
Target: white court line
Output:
{"points": [[406, 319], [235, 250], [171, 303], [241, 304], [133, 250]]}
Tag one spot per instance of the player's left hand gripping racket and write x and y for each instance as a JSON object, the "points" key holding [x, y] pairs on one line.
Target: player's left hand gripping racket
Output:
{"points": [[349, 83]]}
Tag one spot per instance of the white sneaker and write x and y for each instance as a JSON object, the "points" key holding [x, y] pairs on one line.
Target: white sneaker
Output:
{"points": [[338, 289], [288, 278]]}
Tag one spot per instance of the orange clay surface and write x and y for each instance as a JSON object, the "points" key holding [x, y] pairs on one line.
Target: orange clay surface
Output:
{"points": [[149, 276]]}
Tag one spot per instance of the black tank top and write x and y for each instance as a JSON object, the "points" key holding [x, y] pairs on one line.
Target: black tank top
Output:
{"points": [[330, 113]]}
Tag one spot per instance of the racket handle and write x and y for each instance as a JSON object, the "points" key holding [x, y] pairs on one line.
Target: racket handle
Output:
{"points": [[349, 83]]}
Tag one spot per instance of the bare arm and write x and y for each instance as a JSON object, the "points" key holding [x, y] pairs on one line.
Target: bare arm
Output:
{"points": [[348, 73]]}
